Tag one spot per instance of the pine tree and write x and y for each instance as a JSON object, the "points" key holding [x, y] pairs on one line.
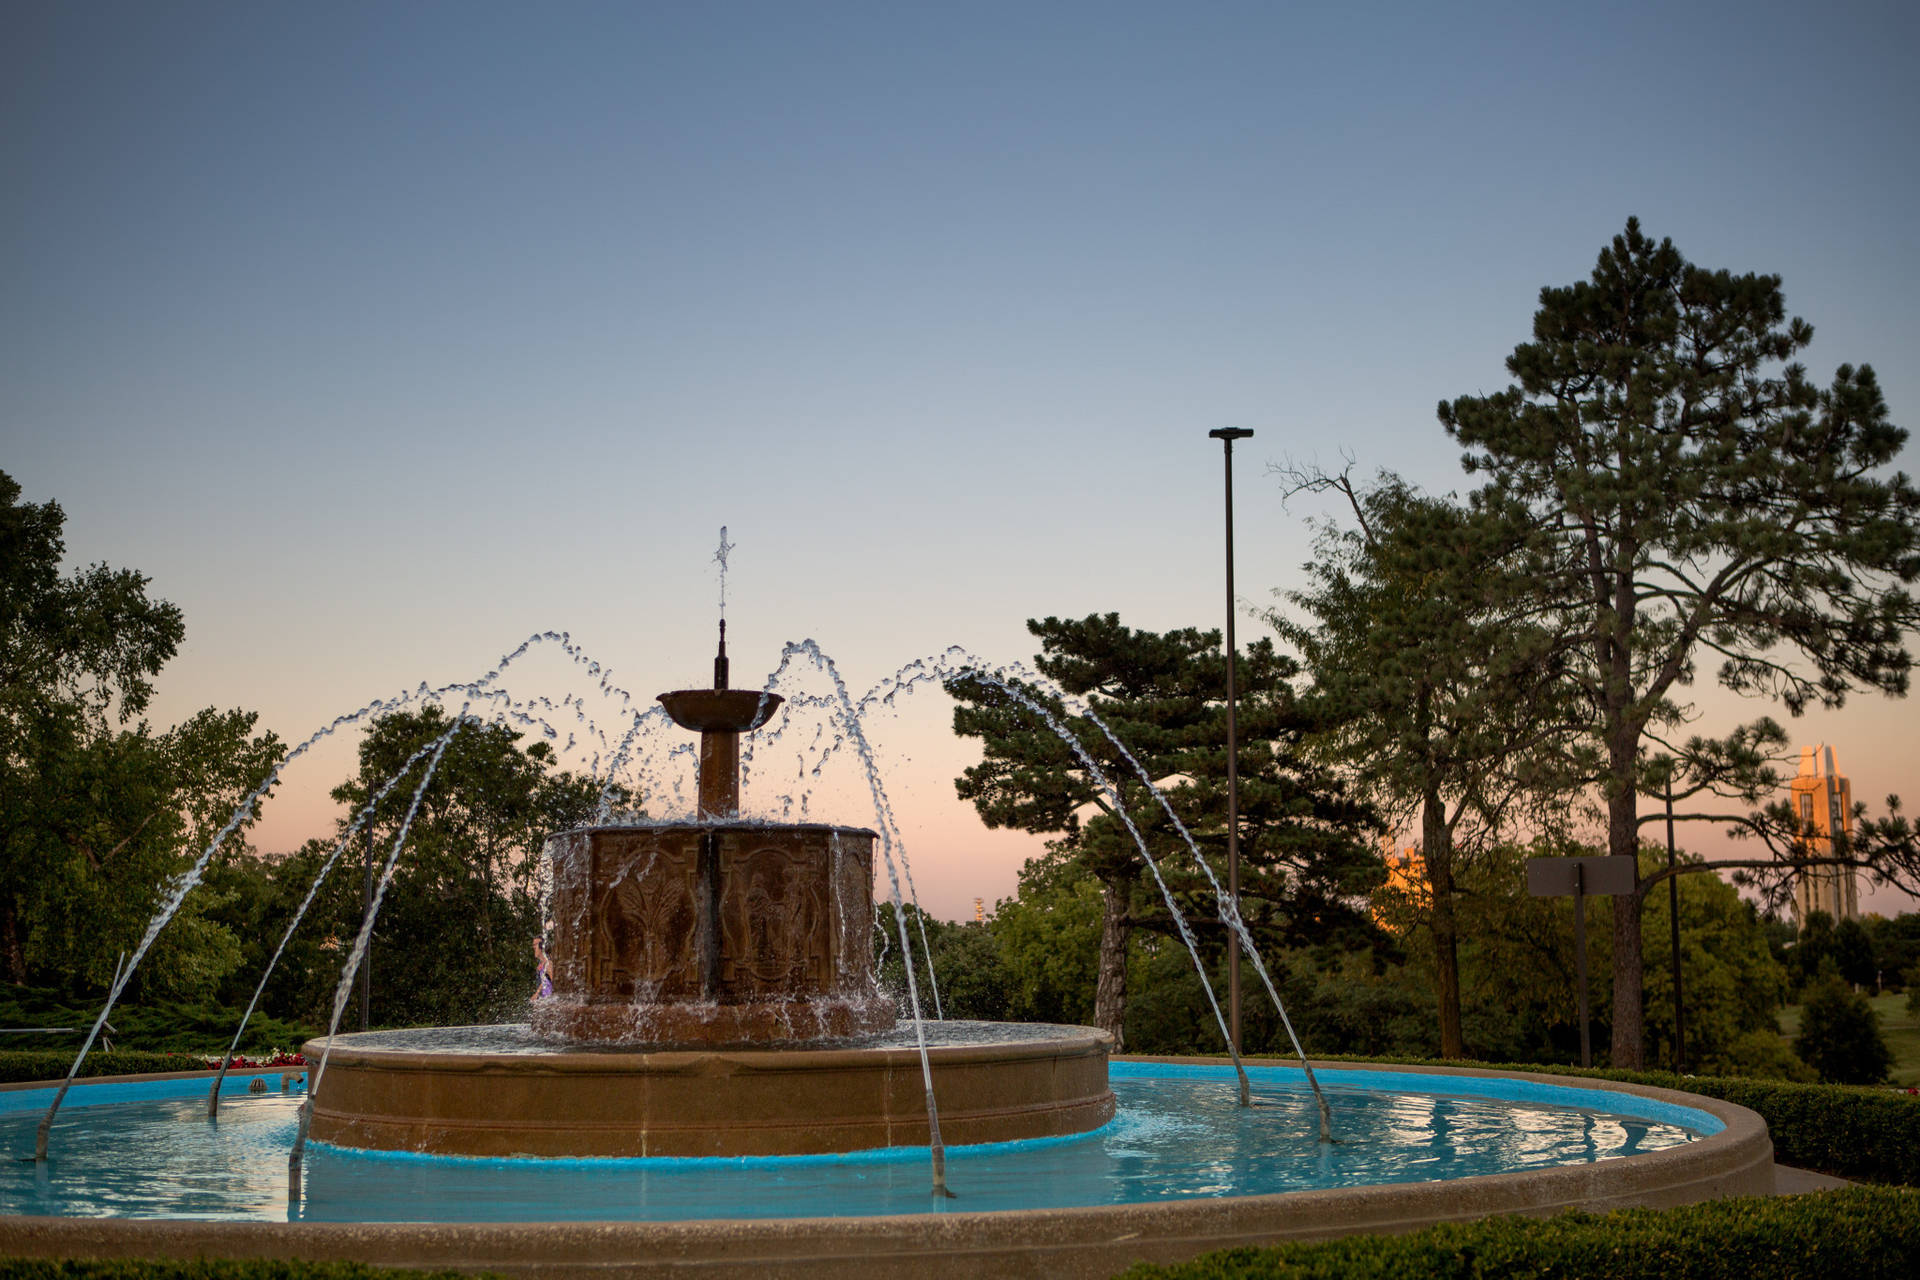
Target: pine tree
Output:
{"points": [[1709, 502], [1304, 843]]}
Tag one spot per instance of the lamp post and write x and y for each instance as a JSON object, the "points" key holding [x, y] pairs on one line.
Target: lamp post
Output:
{"points": [[1226, 436]]}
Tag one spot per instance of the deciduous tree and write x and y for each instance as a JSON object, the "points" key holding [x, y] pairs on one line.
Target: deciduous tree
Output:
{"points": [[1437, 675], [98, 810], [463, 909]]}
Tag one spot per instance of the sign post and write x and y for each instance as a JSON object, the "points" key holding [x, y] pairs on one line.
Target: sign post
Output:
{"points": [[1605, 877]]}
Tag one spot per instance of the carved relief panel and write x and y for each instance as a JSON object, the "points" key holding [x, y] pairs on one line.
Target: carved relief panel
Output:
{"points": [[645, 917], [712, 934], [775, 924]]}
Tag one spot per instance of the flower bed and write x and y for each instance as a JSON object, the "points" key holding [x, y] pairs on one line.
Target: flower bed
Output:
{"points": [[273, 1058]]}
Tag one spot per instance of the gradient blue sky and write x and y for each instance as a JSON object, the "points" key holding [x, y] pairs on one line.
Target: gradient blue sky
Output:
{"points": [[381, 336]]}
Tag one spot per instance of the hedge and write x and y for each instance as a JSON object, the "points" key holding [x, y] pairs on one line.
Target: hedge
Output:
{"points": [[1864, 1232], [1850, 1131], [177, 1026], [19, 1065]]}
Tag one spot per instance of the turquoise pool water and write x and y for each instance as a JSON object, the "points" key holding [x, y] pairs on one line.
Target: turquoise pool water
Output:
{"points": [[148, 1150]]}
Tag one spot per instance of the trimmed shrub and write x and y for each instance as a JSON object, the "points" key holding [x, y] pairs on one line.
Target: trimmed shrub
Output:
{"points": [[165, 1026], [1864, 1232], [21, 1065], [1847, 1131]]}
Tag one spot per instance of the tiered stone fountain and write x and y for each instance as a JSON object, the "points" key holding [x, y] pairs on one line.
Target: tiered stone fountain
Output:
{"points": [[713, 995]]}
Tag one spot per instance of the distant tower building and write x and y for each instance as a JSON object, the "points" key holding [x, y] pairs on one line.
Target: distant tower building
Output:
{"points": [[979, 910], [1823, 802]]}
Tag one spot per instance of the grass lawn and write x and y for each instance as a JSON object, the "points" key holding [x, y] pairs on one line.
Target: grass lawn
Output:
{"points": [[1901, 1031]]}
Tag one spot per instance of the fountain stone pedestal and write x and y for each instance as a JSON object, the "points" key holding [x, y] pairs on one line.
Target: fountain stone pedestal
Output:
{"points": [[724, 935]]}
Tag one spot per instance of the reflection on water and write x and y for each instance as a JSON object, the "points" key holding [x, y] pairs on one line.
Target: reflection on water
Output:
{"points": [[1176, 1136]]}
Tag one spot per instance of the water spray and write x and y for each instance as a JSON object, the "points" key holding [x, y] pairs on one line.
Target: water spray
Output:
{"points": [[344, 990]]}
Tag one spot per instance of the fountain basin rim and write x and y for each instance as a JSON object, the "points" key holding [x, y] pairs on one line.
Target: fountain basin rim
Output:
{"points": [[696, 1059], [501, 1091], [1334, 1072], [140, 1085]]}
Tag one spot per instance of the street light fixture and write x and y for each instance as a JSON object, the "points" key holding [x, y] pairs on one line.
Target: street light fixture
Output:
{"points": [[1226, 436]]}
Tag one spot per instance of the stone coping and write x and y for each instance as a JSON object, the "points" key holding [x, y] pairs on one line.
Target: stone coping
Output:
{"points": [[398, 1093], [1091, 1241], [616, 1061]]}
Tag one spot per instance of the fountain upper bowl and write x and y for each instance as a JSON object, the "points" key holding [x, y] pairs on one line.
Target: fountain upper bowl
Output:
{"points": [[720, 710]]}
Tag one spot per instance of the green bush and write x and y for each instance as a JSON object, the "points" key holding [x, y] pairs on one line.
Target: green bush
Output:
{"points": [[1840, 1034], [1862, 1232]]}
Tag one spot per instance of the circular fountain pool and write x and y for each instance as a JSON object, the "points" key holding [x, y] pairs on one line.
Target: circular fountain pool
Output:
{"points": [[147, 1150], [137, 1170]]}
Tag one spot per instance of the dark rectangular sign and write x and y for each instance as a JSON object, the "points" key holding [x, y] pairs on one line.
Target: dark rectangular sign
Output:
{"points": [[1554, 877]]}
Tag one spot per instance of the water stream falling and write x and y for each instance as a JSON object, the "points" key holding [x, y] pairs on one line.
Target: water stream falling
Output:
{"points": [[1230, 914], [345, 988], [1012, 680], [313, 891], [852, 716], [1012, 689], [850, 722]]}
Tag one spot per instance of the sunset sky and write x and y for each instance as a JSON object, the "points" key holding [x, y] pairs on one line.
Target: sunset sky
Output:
{"points": [[383, 336]]}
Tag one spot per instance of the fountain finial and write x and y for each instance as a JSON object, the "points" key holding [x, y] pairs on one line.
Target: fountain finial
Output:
{"points": [[720, 659]]}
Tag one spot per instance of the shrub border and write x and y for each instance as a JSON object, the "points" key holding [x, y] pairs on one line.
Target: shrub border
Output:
{"points": [[1856, 1231]]}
